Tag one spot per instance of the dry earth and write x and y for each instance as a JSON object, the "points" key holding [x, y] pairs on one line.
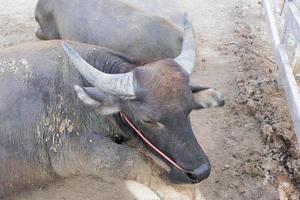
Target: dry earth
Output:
{"points": [[250, 142]]}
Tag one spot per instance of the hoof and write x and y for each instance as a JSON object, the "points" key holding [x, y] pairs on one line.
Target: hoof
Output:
{"points": [[39, 33]]}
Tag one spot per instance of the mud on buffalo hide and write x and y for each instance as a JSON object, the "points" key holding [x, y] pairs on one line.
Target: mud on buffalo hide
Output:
{"points": [[45, 130]]}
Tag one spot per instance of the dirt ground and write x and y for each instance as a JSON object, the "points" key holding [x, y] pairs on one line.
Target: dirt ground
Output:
{"points": [[250, 142]]}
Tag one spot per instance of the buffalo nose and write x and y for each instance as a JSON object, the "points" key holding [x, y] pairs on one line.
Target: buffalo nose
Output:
{"points": [[200, 173]]}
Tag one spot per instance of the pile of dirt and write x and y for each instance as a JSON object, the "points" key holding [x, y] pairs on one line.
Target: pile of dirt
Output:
{"points": [[260, 97]]}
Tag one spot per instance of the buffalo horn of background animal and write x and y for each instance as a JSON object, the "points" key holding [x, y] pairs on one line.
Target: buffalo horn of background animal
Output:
{"points": [[186, 58], [121, 85]]}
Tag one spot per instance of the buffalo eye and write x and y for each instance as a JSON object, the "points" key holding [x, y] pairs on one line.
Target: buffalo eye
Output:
{"points": [[152, 123], [147, 121]]}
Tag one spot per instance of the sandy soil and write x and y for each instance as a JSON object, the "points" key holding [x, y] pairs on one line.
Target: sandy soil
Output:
{"points": [[17, 22], [250, 142]]}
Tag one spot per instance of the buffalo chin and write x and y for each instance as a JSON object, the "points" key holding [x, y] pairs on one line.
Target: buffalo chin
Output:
{"points": [[174, 175], [179, 177]]}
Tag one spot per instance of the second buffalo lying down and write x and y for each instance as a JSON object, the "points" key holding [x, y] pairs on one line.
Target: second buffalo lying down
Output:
{"points": [[45, 131], [143, 29]]}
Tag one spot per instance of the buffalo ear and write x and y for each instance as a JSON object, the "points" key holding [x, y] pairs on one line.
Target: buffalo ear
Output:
{"points": [[104, 103], [206, 97], [197, 88]]}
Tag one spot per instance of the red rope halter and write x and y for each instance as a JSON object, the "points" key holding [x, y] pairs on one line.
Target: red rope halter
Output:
{"points": [[123, 116]]}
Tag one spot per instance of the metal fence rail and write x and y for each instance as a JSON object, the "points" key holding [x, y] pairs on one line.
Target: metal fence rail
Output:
{"points": [[288, 66]]}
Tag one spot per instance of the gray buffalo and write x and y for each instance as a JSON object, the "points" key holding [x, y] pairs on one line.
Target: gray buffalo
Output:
{"points": [[47, 132], [142, 29]]}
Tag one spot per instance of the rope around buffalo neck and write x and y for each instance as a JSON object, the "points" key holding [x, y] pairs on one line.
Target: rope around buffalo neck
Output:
{"points": [[123, 116]]}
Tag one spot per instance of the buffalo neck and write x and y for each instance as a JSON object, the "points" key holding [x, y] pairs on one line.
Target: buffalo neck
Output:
{"points": [[112, 63]]}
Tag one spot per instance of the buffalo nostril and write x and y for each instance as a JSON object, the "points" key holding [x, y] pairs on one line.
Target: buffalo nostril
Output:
{"points": [[200, 173], [222, 103]]}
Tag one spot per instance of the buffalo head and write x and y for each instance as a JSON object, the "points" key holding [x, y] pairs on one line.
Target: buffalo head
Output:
{"points": [[155, 100]]}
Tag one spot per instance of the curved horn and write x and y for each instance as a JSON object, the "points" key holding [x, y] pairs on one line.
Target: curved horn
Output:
{"points": [[186, 58], [121, 85]]}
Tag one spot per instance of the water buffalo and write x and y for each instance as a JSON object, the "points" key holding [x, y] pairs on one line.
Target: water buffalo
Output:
{"points": [[45, 130], [142, 29]]}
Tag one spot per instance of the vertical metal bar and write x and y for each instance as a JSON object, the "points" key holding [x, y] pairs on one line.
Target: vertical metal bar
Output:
{"points": [[296, 60], [271, 21], [274, 33], [285, 34], [290, 88]]}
